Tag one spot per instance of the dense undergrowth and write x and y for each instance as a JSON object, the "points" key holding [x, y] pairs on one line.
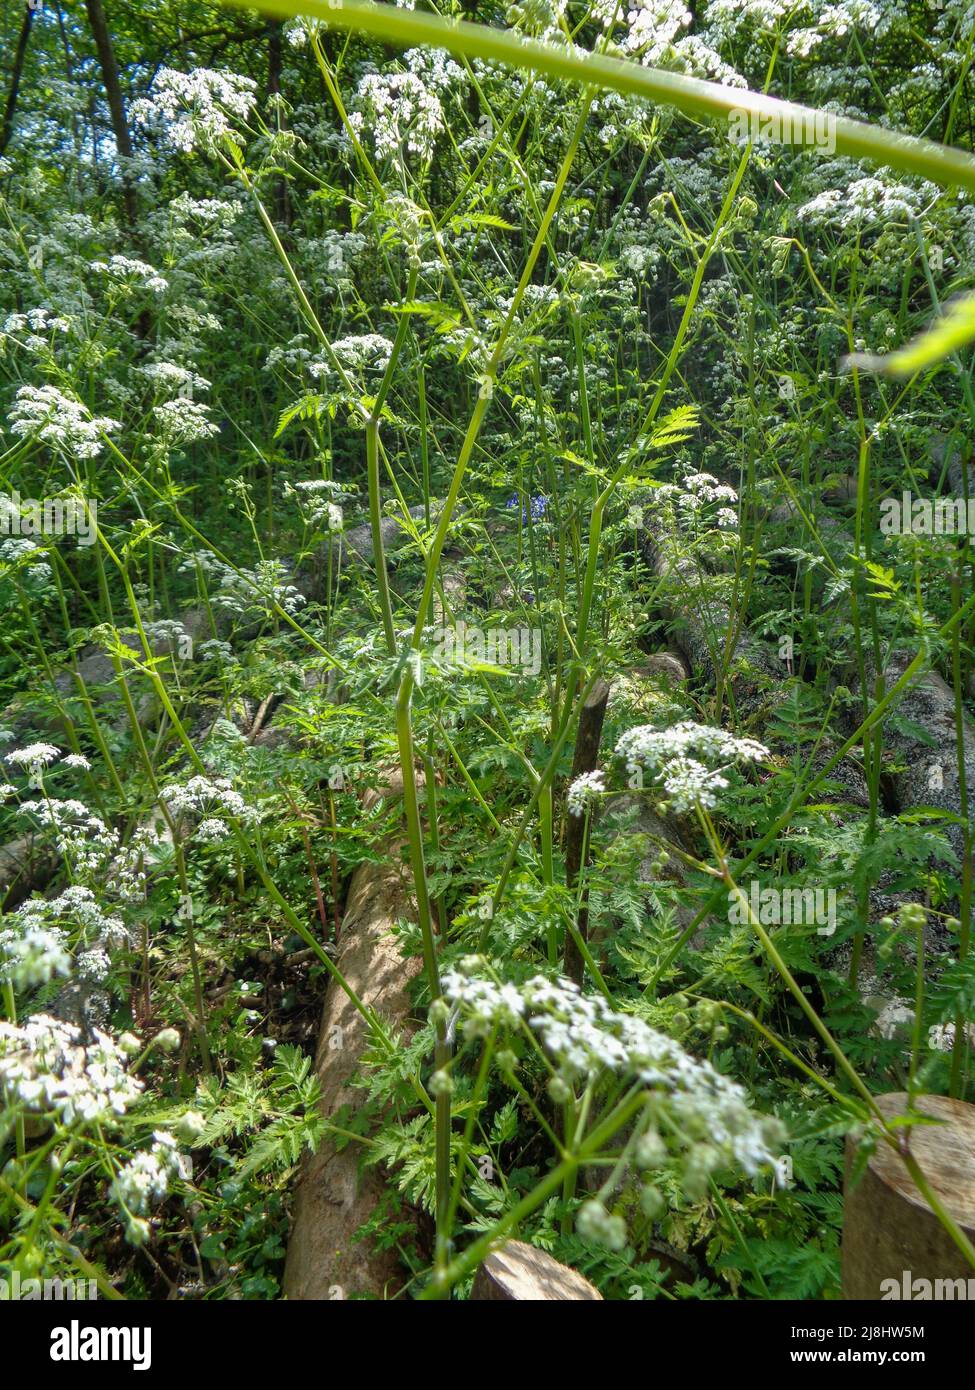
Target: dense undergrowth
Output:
{"points": [[591, 356]]}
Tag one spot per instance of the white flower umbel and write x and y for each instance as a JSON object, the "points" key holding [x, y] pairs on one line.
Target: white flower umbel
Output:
{"points": [[584, 791], [585, 1038], [262, 588], [45, 1067], [402, 112], [145, 1178], [32, 956], [33, 755], [45, 413], [665, 755], [203, 796], [76, 906], [122, 270], [359, 352], [195, 108], [184, 421], [78, 833]]}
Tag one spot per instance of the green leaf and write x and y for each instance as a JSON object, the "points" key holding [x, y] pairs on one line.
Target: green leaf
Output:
{"points": [[309, 407], [675, 427], [949, 334]]}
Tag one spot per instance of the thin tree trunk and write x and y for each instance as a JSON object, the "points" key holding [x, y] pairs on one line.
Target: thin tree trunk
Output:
{"points": [[116, 103], [20, 55], [585, 759]]}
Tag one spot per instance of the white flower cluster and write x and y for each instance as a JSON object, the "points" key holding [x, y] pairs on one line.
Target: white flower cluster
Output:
{"points": [[584, 790], [293, 354], [165, 634], [45, 1066], [666, 755], [809, 22], [204, 796], [34, 323], [33, 956], [25, 555], [585, 1037], [80, 835], [215, 650], [76, 760], [262, 588], [195, 108], [33, 756], [125, 876], [653, 27], [125, 271], [212, 212], [695, 492], [726, 17], [704, 487], [403, 111], [79, 905], [83, 838], [169, 376], [34, 947], [184, 421], [868, 202], [145, 1178], [359, 352], [45, 413]]}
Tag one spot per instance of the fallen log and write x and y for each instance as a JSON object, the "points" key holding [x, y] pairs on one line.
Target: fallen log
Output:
{"points": [[334, 1198], [930, 773], [710, 636]]}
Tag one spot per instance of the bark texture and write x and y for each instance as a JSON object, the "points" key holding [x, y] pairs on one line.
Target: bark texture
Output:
{"points": [[585, 759], [116, 103], [333, 1197], [889, 1230], [13, 91], [931, 773]]}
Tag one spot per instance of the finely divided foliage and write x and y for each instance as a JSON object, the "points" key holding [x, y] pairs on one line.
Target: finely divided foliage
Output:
{"points": [[452, 455]]}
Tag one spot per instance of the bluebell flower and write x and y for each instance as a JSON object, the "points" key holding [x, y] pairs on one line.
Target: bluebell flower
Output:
{"points": [[539, 506]]}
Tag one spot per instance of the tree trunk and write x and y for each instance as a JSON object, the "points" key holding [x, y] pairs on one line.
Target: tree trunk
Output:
{"points": [[20, 54], [585, 759], [116, 103]]}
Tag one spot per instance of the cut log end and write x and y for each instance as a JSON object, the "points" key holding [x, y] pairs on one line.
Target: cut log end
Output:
{"points": [[892, 1240], [519, 1273]]}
